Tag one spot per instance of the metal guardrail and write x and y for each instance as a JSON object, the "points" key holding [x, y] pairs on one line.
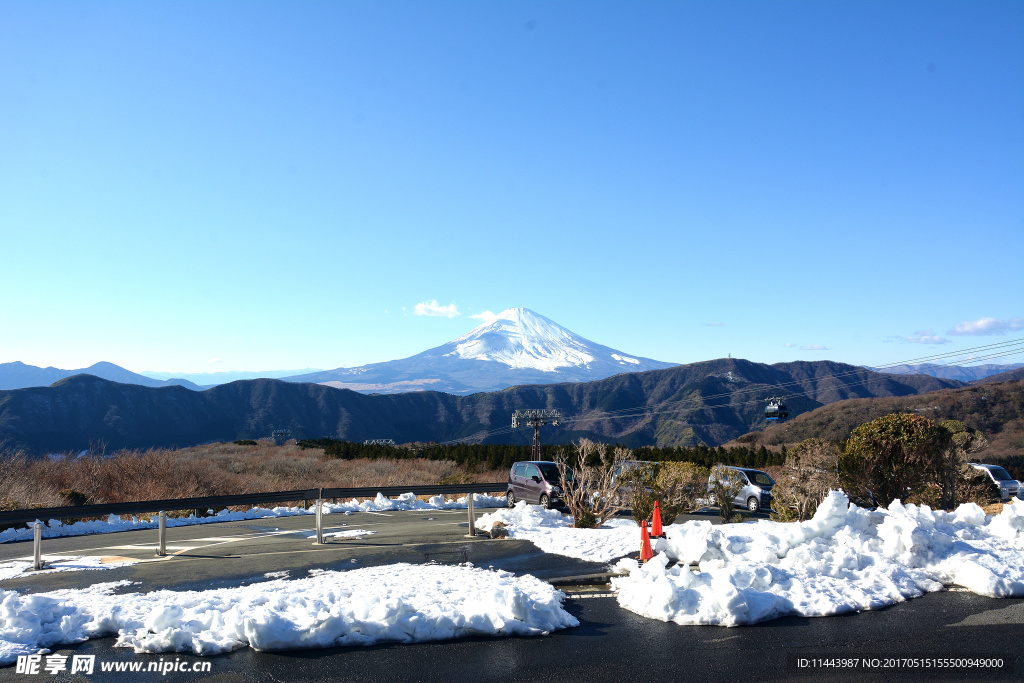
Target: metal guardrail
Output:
{"points": [[104, 509]]}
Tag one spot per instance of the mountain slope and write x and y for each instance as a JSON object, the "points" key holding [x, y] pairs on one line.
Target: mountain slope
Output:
{"points": [[710, 402], [997, 409], [18, 375], [961, 373], [517, 347], [1008, 376]]}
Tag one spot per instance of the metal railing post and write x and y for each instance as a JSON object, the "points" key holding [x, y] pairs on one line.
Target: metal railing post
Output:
{"points": [[161, 549], [472, 520], [319, 521], [37, 547]]}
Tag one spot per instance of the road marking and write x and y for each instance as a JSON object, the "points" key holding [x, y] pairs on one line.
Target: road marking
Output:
{"points": [[148, 546], [378, 513]]}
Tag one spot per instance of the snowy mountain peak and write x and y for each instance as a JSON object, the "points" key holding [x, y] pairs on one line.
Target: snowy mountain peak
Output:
{"points": [[516, 346], [520, 338]]}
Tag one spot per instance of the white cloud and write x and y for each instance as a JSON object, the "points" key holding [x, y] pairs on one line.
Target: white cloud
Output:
{"points": [[487, 316], [432, 308], [215, 360], [789, 346], [986, 326], [921, 337], [815, 347]]}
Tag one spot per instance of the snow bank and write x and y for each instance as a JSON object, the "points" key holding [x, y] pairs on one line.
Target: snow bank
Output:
{"points": [[552, 532], [407, 501], [397, 603], [844, 559], [9, 570]]}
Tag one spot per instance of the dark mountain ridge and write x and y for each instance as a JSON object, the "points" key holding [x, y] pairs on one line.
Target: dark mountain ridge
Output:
{"points": [[709, 402]]}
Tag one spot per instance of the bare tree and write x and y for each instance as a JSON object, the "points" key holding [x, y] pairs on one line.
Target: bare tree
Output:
{"points": [[590, 491]]}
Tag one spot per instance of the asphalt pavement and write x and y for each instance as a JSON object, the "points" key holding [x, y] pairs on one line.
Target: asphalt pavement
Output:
{"points": [[610, 644]]}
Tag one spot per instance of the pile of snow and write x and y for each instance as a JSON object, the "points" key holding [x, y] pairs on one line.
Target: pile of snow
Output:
{"points": [[9, 570], [348, 533], [845, 559], [396, 603], [407, 501], [553, 533]]}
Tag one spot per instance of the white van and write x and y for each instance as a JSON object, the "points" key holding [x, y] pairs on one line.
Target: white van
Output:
{"points": [[1008, 486], [756, 493]]}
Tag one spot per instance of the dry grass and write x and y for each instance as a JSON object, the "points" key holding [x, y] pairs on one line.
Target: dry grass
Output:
{"points": [[215, 469], [993, 509]]}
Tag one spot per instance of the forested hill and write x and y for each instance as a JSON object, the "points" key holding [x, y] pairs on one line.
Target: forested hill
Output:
{"points": [[1008, 376], [709, 402], [997, 409]]}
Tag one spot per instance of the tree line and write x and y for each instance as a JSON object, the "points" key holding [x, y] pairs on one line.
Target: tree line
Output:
{"points": [[480, 457]]}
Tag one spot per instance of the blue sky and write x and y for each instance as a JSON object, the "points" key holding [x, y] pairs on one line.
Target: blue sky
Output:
{"points": [[200, 186]]}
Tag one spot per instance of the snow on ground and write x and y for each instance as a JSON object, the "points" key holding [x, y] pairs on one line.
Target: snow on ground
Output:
{"points": [[553, 533], [844, 559], [9, 570], [348, 533], [407, 501], [398, 603]]}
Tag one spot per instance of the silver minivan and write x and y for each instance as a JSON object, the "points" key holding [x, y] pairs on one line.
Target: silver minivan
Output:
{"points": [[756, 493], [1008, 486], [535, 481]]}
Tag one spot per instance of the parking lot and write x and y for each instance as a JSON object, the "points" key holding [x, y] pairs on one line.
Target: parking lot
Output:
{"points": [[609, 644]]}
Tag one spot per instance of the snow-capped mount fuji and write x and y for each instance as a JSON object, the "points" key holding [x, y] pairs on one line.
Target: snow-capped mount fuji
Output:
{"points": [[516, 347]]}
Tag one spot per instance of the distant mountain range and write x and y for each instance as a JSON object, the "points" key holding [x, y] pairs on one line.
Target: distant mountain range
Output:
{"points": [[961, 373], [211, 379], [517, 347], [709, 402], [18, 375]]}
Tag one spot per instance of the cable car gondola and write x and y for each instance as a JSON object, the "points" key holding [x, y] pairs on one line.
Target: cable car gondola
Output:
{"points": [[775, 410]]}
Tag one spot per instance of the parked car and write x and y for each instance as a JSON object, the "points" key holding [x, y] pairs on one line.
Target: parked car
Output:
{"points": [[535, 481], [756, 493], [1000, 479]]}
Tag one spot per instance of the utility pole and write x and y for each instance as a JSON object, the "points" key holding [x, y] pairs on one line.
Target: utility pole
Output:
{"points": [[536, 418]]}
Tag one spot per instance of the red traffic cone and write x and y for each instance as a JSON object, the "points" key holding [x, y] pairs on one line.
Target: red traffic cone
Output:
{"points": [[656, 530], [645, 544]]}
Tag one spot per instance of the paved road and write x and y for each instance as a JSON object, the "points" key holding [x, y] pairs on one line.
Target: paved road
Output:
{"points": [[610, 644], [232, 553]]}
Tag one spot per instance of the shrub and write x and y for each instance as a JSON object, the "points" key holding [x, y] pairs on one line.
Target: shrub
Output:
{"points": [[679, 487], [953, 473], [74, 497], [725, 484], [810, 472], [892, 457]]}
